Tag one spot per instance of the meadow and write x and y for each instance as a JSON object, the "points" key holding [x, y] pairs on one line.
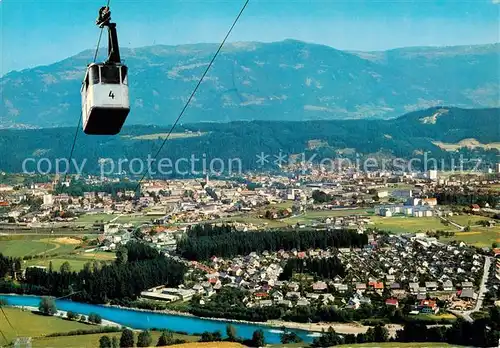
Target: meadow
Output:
{"points": [[24, 323], [27, 324], [403, 224], [477, 236], [465, 220], [51, 248], [31, 245]]}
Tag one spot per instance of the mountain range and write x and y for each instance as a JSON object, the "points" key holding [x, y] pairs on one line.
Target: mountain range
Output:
{"points": [[288, 80], [442, 133]]}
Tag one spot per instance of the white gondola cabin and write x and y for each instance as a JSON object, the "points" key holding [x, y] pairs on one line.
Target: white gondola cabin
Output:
{"points": [[105, 100]]}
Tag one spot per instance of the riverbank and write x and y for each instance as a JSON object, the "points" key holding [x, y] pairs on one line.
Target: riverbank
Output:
{"points": [[343, 328], [181, 321], [64, 314]]}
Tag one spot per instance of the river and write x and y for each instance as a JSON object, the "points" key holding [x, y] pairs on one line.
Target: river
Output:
{"points": [[148, 320]]}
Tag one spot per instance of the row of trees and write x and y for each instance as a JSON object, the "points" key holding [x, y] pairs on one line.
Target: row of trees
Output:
{"points": [[145, 338], [321, 197], [78, 187], [460, 198], [379, 333], [229, 303], [483, 332], [120, 280], [9, 265], [234, 243], [47, 306], [327, 268]]}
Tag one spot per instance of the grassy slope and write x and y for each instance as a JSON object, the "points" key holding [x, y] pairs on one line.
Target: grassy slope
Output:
{"points": [[21, 245], [92, 341], [27, 324], [409, 224]]}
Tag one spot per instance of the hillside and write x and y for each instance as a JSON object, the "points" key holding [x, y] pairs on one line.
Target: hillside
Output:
{"points": [[288, 80], [408, 136]]}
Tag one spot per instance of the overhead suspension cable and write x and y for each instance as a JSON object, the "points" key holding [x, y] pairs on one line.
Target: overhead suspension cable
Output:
{"points": [[195, 90], [80, 117], [74, 143], [76, 135], [8, 321], [5, 338]]}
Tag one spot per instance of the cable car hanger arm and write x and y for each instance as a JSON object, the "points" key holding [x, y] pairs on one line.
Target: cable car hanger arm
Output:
{"points": [[104, 20]]}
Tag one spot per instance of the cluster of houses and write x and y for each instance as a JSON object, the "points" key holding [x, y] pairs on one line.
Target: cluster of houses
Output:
{"points": [[393, 268], [421, 263]]}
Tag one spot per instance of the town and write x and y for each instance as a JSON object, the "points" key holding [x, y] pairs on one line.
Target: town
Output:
{"points": [[427, 249]]}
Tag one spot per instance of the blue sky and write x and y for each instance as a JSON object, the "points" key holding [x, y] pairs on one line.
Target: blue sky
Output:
{"points": [[40, 32]]}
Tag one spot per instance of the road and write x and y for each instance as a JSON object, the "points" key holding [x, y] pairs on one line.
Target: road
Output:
{"points": [[480, 296]]}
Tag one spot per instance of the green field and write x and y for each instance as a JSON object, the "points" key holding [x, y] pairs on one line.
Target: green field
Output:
{"points": [[76, 261], [62, 249], [465, 220], [394, 187], [30, 245], [403, 224], [92, 218], [27, 324], [127, 219], [478, 236], [21, 248]]}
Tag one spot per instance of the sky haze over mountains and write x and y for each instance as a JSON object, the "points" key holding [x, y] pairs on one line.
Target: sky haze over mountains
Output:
{"points": [[45, 31]]}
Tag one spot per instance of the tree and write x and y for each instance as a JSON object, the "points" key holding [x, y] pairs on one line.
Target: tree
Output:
{"points": [[258, 338], [288, 337], [231, 333], [47, 306], [122, 255], [137, 234], [144, 339], [495, 317], [104, 342], [380, 334], [114, 342], [71, 315], [95, 318], [166, 338], [127, 339], [211, 336]]}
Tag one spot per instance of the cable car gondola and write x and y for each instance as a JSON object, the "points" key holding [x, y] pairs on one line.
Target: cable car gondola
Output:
{"points": [[105, 98]]}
